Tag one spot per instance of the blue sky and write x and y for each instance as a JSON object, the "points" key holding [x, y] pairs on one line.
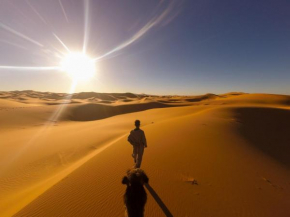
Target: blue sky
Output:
{"points": [[200, 46]]}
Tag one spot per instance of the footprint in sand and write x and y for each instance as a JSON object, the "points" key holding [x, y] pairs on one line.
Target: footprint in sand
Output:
{"points": [[270, 183], [192, 181]]}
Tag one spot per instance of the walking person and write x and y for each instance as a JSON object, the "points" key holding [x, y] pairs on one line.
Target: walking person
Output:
{"points": [[138, 140]]}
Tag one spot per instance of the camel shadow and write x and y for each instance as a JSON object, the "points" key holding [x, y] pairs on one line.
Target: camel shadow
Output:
{"points": [[159, 201]]}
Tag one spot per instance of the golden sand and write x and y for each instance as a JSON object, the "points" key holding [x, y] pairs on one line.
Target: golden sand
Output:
{"points": [[210, 155]]}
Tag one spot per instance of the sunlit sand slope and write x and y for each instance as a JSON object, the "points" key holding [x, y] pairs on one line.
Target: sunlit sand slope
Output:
{"points": [[224, 155]]}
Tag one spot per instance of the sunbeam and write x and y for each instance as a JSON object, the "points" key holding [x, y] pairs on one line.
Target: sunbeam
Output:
{"points": [[13, 44], [63, 10], [77, 64], [86, 26], [29, 68], [20, 35], [52, 120], [60, 41], [60, 53], [15, 7], [53, 54], [36, 12], [153, 22]]}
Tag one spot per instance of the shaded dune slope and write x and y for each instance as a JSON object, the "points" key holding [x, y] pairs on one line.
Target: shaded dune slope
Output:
{"points": [[90, 112], [202, 97], [105, 96], [268, 129]]}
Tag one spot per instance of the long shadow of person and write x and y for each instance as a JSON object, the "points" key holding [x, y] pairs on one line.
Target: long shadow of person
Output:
{"points": [[159, 201]]}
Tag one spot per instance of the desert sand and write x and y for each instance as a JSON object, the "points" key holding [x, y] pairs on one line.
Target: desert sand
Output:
{"points": [[209, 155]]}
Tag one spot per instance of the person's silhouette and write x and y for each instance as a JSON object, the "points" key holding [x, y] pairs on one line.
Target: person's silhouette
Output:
{"points": [[138, 140]]}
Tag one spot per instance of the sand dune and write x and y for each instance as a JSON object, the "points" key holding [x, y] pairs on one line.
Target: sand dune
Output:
{"points": [[89, 112], [211, 155]]}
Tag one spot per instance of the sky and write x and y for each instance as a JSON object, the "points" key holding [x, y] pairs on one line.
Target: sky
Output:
{"points": [[184, 47]]}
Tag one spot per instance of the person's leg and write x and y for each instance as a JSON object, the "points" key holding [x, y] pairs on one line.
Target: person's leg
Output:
{"points": [[139, 156], [135, 153]]}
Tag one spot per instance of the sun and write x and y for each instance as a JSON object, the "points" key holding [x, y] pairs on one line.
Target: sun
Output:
{"points": [[78, 66]]}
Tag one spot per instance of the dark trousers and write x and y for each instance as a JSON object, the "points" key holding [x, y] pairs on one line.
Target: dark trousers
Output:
{"points": [[138, 151]]}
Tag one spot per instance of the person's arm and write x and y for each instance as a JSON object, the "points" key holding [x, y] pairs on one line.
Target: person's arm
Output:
{"points": [[129, 139]]}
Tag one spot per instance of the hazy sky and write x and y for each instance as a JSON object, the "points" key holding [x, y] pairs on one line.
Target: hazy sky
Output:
{"points": [[150, 46]]}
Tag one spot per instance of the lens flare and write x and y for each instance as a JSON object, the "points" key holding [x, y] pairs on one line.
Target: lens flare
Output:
{"points": [[78, 66]]}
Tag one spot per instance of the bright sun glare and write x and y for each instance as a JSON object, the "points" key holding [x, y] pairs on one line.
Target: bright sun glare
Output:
{"points": [[78, 66]]}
